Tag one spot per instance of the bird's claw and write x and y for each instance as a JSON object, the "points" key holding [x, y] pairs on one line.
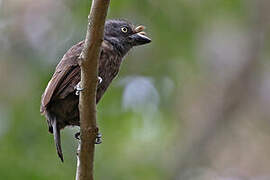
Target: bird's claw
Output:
{"points": [[99, 80], [77, 135], [98, 139], [78, 88]]}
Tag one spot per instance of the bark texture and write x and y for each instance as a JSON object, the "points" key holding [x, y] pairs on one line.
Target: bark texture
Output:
{"points": [[87, 105]]}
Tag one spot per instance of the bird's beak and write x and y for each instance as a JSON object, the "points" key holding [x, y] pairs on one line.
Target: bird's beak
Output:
{"points": [[139, 37]]}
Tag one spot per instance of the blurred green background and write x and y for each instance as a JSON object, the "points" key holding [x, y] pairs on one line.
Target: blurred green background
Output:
{"points": [[154, 117]]}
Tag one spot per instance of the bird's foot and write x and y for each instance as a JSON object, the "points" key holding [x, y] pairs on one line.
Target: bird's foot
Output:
{"points": [[78, 88], [97, 141], [99, 80], [77, 135]]}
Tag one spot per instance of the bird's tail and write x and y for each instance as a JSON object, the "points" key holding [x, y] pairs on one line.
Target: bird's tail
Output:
{"points": [[57, 139]]}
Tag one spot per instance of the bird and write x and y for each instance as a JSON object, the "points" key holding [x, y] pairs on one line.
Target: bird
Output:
{"points": [[59, 102]]}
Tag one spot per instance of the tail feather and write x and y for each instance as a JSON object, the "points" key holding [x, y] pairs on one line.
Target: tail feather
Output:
{"points": [[57, 139]]}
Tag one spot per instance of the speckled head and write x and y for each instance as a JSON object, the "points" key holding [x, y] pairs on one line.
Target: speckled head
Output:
{"points": [[123, 35]]}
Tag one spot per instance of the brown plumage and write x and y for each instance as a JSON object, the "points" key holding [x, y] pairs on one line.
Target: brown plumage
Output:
{"points": [[59, 103]]}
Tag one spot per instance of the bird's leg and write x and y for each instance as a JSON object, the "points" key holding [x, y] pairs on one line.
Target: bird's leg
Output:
{"points": [[78, 88], [97, 141]]}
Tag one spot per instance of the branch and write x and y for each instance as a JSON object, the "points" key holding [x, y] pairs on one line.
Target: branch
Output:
{"points": [[87, 105]]}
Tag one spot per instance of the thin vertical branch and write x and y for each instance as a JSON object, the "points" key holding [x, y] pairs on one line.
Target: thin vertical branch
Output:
{"points": [[87, 105]]}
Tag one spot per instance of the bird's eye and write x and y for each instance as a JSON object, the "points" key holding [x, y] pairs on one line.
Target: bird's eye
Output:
{"points": [[124, 29]]}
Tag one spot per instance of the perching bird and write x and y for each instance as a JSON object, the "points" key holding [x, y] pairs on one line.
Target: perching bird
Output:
{"points": [[59, 102]]}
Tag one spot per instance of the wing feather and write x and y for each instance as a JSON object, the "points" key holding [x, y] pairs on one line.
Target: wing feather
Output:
{"points": [[67, 75]]}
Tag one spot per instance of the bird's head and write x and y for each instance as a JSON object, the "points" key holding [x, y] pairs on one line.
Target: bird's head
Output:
{"points": [[123, 35]]}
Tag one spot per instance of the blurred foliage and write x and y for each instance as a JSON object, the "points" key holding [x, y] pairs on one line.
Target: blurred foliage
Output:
{"points": [[139, 143]]}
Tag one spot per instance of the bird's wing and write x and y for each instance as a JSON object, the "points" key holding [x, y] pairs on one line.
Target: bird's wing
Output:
{"points": [[65, 77], [72, 78]]}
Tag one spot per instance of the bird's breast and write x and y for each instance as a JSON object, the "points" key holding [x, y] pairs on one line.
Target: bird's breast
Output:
{"points": [[109, 65]]}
